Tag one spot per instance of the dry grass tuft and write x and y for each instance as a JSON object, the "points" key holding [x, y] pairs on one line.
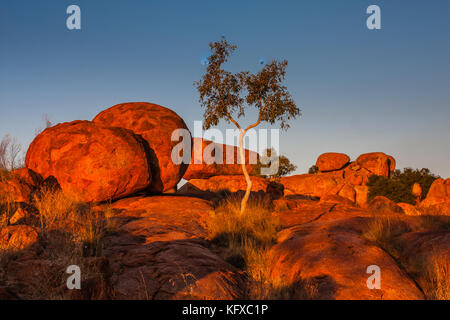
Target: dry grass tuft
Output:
{"points": [[434, 222], [257, 224], [245, 241], [60, 214], [437, 277], [70, 233], [263, 285], [384, 230]]}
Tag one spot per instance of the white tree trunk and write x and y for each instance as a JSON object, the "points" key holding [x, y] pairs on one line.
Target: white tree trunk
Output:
{"points": [[244, 169]]}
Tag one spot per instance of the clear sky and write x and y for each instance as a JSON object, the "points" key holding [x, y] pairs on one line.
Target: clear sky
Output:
{"points": [[359, 90]]}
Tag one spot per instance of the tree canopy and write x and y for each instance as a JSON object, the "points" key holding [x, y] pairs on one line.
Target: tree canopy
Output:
{"points": [[226, 95]]}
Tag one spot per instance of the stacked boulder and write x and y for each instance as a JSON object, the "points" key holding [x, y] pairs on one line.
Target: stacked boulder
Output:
{"points": [[214, 167], [338, 176], [155, 124], [126, 149]]}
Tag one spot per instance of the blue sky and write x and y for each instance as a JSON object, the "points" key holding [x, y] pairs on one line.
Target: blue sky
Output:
{"points": [[359, 90]]}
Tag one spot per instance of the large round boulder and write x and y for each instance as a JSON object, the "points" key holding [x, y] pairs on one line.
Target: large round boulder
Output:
{"points": [[377, 163], [91, 162], [331, 161], [156, 125]]}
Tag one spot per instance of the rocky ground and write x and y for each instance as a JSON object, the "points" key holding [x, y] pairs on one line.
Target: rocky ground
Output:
{"points": [[104, 198], [158, 248]]}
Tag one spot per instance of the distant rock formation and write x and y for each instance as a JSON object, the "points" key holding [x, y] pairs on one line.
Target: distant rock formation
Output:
{"points": [[332, 161]]}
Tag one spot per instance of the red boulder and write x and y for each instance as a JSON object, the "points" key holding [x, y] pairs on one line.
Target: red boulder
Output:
{"points": [[91, 162], [156, 125], [331, 161], [206, 154]]}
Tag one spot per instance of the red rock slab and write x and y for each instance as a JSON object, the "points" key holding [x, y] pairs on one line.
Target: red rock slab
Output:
{"points": [[205, 151], [230, 183], [332, 260], [164, 218], [316, 185], [159, 252]]}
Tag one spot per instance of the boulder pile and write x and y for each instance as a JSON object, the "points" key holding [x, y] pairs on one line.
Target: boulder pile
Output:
{"points": [[155, 124], [126, 149], [338, 176]]}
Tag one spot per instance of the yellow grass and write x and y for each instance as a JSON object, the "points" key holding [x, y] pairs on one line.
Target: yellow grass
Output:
{"points": [[245, 240], [437, 277], [384, 229], [59, 213], [257, 223]]}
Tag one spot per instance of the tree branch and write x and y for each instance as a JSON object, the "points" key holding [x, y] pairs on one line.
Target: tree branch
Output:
{"points": [[232, 120], [256, 123]]}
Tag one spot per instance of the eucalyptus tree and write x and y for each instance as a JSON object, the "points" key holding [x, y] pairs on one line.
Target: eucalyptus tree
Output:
{"points": [[228, 96]]}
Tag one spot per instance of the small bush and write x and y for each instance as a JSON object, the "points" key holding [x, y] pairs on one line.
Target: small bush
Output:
{"points": [[399, 187], [313, 170], [285, 166]]}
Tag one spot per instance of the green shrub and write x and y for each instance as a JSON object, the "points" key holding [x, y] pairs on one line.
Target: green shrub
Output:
{"points": [[285, 166], [313, 170], [398, 188]]}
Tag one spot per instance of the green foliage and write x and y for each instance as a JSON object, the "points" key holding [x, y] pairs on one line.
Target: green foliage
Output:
{"points": [[285, 166], [226, 95], [313, 170], [223, 93], [398, 188], [409, 176]]}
